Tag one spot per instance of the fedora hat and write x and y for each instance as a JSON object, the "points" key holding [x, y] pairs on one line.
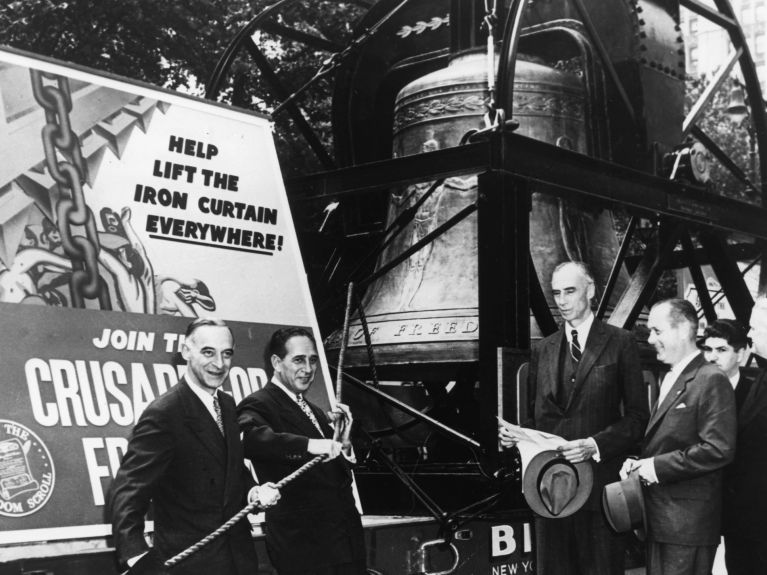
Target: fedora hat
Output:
{"points": [[623, 504], [554, 487]]}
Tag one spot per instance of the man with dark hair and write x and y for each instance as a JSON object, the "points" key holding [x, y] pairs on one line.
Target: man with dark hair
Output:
{"points": [[724, 343], [688, 441], [185, 457], [316, 529], [744, 519], [586, 381]]}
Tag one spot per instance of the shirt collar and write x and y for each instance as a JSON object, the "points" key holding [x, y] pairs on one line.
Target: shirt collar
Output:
{"points": [[205, 397], [583, 330], [735, 379], [680, 367], [281, 385]]}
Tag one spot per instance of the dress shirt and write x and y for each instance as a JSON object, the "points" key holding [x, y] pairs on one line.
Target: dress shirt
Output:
{"points": [[735, 379], [348, 456], [665, 387], [583, 330], [673, 374], [206, 398]]}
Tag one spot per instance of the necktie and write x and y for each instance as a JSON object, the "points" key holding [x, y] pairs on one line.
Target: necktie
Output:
{"points": [[575, 347], [219, 417], [665, 387], [308, 411]]}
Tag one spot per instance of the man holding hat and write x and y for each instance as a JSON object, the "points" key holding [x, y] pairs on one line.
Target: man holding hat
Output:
{"points": [[688, 441], [586, 381], [744, 516]]}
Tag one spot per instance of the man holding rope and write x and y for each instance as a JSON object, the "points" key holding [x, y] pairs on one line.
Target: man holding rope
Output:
{"points": [[316, 528], [185, 456]]}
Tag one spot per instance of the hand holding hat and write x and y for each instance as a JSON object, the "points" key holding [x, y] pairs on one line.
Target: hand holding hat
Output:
{"points": [[579, 450], [554, 487], [643, 468]]}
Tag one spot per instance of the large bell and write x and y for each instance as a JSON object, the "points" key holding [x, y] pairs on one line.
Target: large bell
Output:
{"points": [[423, 313]]}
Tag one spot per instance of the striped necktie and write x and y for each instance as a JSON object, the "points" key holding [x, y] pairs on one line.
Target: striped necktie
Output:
{"points": [[575, 347], [219, 417], [308, 411]]}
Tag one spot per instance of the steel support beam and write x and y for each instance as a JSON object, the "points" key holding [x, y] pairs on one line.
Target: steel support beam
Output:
{"points": [[538, 304], [729, 276], [697, 277], [503, 233], [645, 280], [549, 169], [615, 271]]}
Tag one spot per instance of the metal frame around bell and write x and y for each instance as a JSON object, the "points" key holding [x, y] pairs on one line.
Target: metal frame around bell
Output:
{"points": [[511, 168]]}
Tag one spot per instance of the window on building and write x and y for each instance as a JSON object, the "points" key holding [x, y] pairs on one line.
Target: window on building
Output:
{"points": [[692, 61]]}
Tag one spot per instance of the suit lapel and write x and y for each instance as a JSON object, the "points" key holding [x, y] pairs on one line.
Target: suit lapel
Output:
{"points": [[291, 413], [755, 400], [549, 367], [197, 418], [592, 349], [672, 397]]}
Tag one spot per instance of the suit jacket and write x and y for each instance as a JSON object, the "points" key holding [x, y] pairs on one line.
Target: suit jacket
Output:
{"points": [[195, 479], [607, 400], [316, 522], [691, 436], [745, 498]]}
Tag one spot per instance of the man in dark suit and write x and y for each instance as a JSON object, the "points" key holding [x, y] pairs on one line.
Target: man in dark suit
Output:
{"points": [[687, 443], [744, 516], [586, 381], [316, 528], [185, 456]]}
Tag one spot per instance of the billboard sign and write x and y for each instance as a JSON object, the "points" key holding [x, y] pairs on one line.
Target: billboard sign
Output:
{"points": [[125, 211]]}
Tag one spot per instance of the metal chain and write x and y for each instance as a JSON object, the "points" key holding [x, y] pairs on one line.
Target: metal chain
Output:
{"points": [[240, 514], [492, 117], [59, 140]]}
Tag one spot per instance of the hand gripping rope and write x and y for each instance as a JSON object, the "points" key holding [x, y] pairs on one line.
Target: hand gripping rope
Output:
{"points": [[240, 514]]}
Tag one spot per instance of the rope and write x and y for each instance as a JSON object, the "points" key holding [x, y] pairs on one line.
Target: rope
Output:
{"points": [[368, 341], [489, 21], [240, 514], [344, 343]]}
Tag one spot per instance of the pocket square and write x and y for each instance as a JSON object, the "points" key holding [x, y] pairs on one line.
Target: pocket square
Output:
{"points": [[681, 406]]}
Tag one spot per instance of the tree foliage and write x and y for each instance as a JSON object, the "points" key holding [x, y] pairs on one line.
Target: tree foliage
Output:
{"points": [[734, 140], [177, 43]]}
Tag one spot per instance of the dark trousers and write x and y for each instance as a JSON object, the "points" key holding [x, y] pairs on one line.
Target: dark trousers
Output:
{"points": [[744, 557], [582, 544], [352, 568], [668, 559]]}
